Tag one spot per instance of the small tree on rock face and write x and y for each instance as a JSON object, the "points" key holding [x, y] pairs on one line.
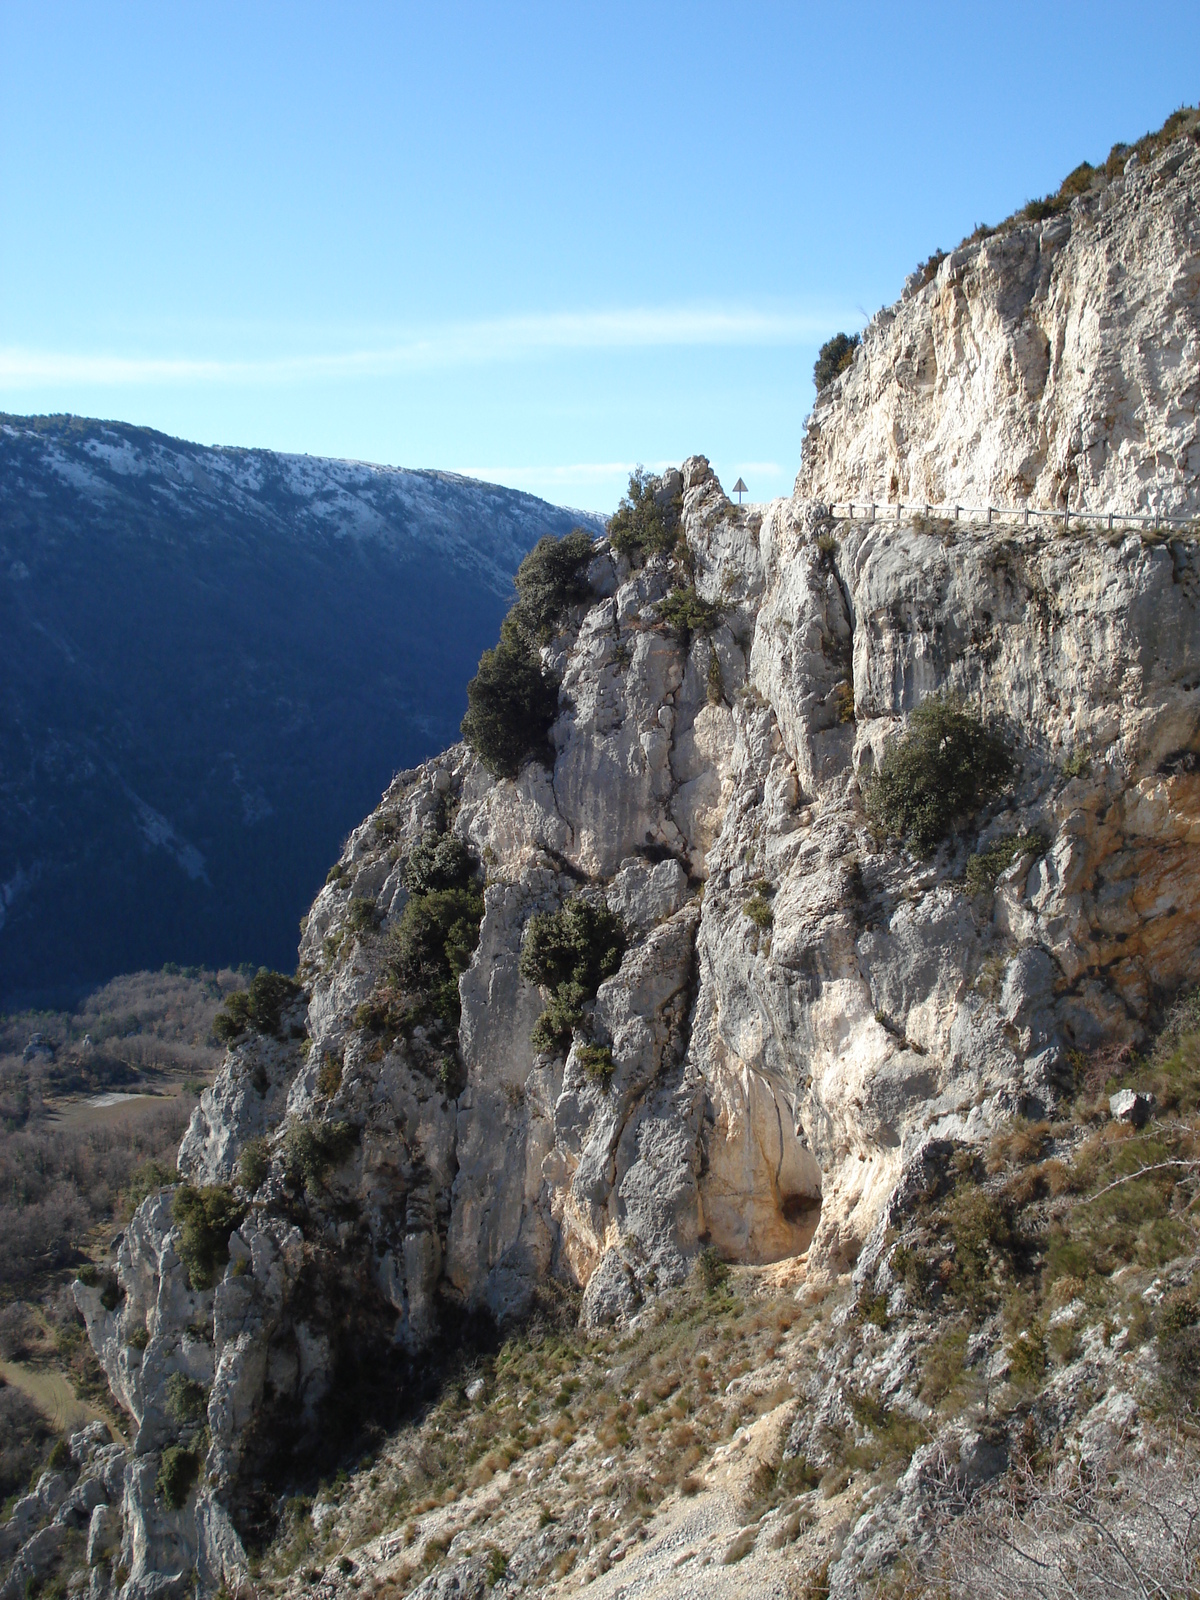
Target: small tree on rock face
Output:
{"points": [[178, 1470], [946, 765], [551, 579], [206, 1218], [570, 952], [641, 525], [834, 356], [511, 705], [440, 861], [512, 700], [258, 1008], [433, 944]]}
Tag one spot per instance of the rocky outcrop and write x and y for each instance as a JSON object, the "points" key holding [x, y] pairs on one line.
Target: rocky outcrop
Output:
{"points": [[768, 1079], [807, 1017], [84, 1494], [1052, 363]]}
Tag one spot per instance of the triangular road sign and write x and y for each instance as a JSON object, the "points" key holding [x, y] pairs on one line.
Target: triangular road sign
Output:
{"points": [[740, 489]]}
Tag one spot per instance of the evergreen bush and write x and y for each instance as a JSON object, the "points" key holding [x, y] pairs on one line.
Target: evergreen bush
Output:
{"points": [[640, 526], [711, 1270], [146, 1180], [206, 1218], [688, 614], [512, 700], [597, 1063], [257, 1009], [432, 946], [187, 1400], [570, 952], [834, 356], [364, 914], [329, 1073], [311, 1149], [254, 1163], [438, 862], [986, 865], [551, 579], [945, 766], [177, 1472], [716, 680], [758, 909], [511, 705]]}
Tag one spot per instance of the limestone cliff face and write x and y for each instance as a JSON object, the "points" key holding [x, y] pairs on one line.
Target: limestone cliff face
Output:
{"points": [[1051, 361], [770, 1084], [804, 1008]]}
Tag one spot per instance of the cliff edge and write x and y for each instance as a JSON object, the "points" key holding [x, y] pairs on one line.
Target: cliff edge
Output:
{"points": [[1054, 362], [683, 983]]}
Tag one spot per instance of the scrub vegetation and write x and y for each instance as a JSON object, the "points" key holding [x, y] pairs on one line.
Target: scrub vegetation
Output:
{"points": [[513, 699], [944, 767], [570, 952]]}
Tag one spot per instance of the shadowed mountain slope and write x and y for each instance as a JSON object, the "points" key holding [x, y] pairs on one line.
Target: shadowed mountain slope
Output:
{"points": [[215, 659]]}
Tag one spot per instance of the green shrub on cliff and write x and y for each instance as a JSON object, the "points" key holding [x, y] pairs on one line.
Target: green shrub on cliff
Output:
{"points": [[641, 526], [206, 1218], [945, 766], [512, 700], [551, 579], [986, 865], [254, 1163], [685, 612], [570, 952], [257, 1009], [187, 1400], [145, 1180], [177, 1472], [440, 861], [834, 356], [432, 947], [311, 1149]]}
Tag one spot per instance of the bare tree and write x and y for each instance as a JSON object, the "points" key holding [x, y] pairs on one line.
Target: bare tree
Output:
{"points": [[1124, 1525]]}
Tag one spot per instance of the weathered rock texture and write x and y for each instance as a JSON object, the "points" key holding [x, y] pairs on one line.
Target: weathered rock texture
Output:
{"points": [[1052, 360], [777, 1076], [770, 1084]]}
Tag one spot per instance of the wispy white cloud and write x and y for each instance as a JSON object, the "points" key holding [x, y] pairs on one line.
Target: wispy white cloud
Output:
{"points": [[571, 472], [503, 339]]}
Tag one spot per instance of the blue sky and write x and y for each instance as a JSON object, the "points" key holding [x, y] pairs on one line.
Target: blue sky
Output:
{"points": [[535, 242]]}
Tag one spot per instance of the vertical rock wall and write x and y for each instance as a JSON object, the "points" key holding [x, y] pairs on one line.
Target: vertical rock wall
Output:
{"points": [[1054, 362], [772, 1075]]}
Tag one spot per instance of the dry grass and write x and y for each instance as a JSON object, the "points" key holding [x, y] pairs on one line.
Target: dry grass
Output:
{"points": [[624, 1418]]}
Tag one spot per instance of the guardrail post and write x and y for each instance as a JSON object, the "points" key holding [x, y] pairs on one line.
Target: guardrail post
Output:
{"points": [[1066, 516], [957, 509], [898, 509], [1110, 521], [989, 516], [872, 511]]}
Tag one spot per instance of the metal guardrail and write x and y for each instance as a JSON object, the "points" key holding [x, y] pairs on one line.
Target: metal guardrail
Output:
{"points": [[867, 510]]}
